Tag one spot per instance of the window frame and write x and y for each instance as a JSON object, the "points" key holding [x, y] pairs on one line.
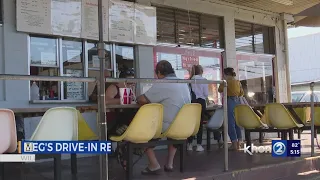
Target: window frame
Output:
{"points": [[60, 67]]}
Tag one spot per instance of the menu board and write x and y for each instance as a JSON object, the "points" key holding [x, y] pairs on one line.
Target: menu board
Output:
{"points": [[90, 22], [121, 21], [66, 17], [34, 16], [124, 22], [145, 25], [75, 90]]}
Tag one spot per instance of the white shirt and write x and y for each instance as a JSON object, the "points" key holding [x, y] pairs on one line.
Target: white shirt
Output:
{"points": [[200, 90]]}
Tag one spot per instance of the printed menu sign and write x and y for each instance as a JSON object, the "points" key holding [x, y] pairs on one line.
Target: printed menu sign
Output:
{"points": [[189, 61], [145, 25], [34, 16], [121, 21], [75, 90], [66, 17], [90, 22]]}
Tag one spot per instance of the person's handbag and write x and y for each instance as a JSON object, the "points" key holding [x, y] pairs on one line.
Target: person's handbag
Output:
{"points": [[216, 120]]}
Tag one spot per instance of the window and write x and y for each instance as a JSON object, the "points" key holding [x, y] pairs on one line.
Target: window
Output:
{"points": [[183, 58], [296, 97], [44, 62], [74, 58], [189, 28], [254, 38], [256, 75]]}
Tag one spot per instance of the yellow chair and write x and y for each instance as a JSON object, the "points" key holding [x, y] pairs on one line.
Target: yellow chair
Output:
{"points": [[247, 118], [317, 116], [146, 125], [185, 124], [84, 131], [304, 114], [279, 117]]}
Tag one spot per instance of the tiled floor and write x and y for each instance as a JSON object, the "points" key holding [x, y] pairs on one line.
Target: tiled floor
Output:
{"points": [[198, 165]]}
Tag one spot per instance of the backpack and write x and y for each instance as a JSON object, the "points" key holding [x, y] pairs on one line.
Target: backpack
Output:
{"points": [[193, 95]]}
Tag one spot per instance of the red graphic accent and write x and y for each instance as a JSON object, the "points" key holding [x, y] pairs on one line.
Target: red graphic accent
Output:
{"points": [[189, 61], [125, 97]]}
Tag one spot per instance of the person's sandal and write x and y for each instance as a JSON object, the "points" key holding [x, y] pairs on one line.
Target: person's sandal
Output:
{"points": [[147, 171], [167, 169]]}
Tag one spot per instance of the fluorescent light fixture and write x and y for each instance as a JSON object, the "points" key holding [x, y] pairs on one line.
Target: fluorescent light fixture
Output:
{"points": [[251, 94], [284, 2], [203, 37]]}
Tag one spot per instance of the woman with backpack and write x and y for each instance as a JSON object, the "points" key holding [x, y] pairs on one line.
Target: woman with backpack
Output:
{"points": [[199, 94]]}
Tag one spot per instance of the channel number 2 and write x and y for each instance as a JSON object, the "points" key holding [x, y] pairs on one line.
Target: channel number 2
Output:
{"points": [[279, 148]]}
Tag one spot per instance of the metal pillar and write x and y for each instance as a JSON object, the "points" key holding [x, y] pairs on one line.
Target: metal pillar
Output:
{"points": [[312, 118], [225, 127], [101, 92]]}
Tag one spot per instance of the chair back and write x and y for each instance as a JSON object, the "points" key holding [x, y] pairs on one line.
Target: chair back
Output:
{"points": [[8, 132], [57, 124], [216, 119], [84, 130], [246, 117], [186, 123], [317, 116], [146, 124], [279, 117], [304, 114]]}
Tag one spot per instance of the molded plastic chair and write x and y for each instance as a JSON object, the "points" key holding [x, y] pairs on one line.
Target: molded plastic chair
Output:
{"points": [[146, 125], [279, 117], [57, 124], [186, 123], [8, 133], [84, 130], [247, 118], [216, 120], [304, 114], [317, 116]]}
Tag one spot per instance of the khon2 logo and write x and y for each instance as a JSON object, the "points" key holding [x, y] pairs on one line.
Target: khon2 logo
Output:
{"points": [[279, 148]]}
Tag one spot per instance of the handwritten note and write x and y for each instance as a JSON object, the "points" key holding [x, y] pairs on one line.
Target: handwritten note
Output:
{"points": [[75, 90], [66, 17], [74, 55], [121, 21], [34, 16], [145, 25], [90, 21]]}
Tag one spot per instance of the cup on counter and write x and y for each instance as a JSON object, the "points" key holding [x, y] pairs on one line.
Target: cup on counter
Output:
{"points": [[125, 96]]}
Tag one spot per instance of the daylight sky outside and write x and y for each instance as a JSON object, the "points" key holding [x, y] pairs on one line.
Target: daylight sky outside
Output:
{"points": [[302, 31]]}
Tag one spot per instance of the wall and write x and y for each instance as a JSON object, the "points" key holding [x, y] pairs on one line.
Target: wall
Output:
{"points": [[304, 49], [2, 95]]}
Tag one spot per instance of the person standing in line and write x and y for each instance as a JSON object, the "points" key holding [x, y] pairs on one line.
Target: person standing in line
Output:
{"points": [[234, 91], [199, 94]]}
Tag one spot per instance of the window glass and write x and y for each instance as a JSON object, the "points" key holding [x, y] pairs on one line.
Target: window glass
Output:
{"points": [[182, 59], [124, 58], [73, 66], [43, 52], [306, 98], [256, 76], [296, 97], [44, 62]]}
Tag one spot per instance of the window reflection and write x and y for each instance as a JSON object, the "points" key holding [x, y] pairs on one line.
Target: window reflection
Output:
{"points": [[124, 58], [73, 66], [256, 77], [44, 62], [182, 59]]}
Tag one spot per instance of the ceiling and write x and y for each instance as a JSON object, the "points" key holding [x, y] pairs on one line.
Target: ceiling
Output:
{"points": [[277, 6]]}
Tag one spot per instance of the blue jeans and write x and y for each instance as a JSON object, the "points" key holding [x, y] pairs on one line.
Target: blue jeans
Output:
{"points": [[234, 130]]}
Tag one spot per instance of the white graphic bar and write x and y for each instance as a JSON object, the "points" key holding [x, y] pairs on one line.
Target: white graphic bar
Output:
{"points": [[17, 157]]}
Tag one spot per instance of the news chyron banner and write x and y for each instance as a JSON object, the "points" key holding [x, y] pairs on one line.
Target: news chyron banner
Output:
{"points": [[65, 147]]}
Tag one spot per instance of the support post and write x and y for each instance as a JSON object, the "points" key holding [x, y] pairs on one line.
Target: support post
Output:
{"points": [[101, 98], [225, 126], [312, 118]]}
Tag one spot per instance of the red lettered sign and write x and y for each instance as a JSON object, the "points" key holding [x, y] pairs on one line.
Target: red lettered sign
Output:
{"points": [[189, 61]]}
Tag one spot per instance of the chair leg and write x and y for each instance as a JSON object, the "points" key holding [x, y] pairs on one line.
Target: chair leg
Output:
{"points": [[208, 140], [299, 133], [57, 167], [279, 135], [291, 134], [260, 137], [74, 169], [248, 138], [182, 156], [129, 164], [1, 171]]}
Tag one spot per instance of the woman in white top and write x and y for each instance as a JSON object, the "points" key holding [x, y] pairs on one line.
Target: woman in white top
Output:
{"points": [[199, 94]]}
